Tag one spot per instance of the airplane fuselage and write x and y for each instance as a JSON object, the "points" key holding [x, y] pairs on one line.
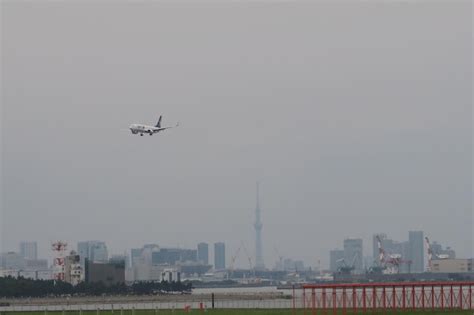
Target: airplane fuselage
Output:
{"points": [[141, 129]]}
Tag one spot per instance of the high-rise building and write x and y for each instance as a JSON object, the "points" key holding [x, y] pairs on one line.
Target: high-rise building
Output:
{"points": [[83, 251], [99, 252], [416, 245], [148, 251], [29, 250], [135, 255], [94, 251], [259, 264], [353, 255], [203, 253], [172, 256], [335, 259], [219, 255], [405, 252]]}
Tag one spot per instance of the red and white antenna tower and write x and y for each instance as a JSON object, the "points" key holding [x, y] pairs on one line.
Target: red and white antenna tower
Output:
{"points": [[59, 249]]}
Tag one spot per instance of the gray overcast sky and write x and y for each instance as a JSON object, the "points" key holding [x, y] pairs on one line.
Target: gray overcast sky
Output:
{"points": [[356, 117]]}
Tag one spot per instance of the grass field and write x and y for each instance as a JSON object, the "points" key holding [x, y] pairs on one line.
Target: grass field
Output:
{"points": [[240, 311]]}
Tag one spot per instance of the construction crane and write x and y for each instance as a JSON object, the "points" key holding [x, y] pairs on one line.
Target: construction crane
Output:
{"points": [[234, 258], [249, 258], [280, 258], [344, 268], [232, 261], [390, 262], [431, 254], [379, 264], [381, 250]]}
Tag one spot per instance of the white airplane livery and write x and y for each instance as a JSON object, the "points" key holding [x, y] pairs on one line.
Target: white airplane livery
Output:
{"points": [[141, 129]]}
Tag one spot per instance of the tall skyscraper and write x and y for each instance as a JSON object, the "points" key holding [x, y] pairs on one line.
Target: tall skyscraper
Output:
{"points": [[219, 255], [353, 254], [99, 252], [29, 250], [259, 264], [135, 255], [94, 251], [416, 249], [83, 252], [203, 253]]}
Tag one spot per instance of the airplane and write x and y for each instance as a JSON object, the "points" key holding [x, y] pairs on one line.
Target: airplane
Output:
{"points": [[141, 129]]}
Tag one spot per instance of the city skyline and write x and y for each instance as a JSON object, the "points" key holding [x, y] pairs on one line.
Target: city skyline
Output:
{"points": [[241, 261]]}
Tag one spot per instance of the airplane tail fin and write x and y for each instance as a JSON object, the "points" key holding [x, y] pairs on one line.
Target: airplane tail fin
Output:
{"points": [[158, 124]]}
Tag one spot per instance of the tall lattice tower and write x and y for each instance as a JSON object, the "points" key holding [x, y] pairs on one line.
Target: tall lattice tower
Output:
{"points": [[59, 249], [259, 265]]}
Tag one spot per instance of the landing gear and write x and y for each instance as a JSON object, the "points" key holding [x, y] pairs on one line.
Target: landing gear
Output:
{"points": [[141, 134], [151, 133]]}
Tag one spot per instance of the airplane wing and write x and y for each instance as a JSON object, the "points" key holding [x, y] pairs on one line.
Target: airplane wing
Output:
{"points": [[164, 128]]}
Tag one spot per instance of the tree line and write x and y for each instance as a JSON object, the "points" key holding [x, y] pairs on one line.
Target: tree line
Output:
{"points": [[21, 287]]}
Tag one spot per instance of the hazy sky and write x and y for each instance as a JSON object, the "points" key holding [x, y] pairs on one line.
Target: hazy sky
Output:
{"points": [[355, 116]]}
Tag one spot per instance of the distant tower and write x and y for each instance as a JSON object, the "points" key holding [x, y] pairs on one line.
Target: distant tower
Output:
{"points": [[29, 250], [259, 265], [59, 249], [219, 256], [203, 253]]}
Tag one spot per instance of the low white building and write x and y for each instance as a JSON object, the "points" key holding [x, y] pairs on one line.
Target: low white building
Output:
{"points": [[171, 275], [73, 272], [452, 265]]}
